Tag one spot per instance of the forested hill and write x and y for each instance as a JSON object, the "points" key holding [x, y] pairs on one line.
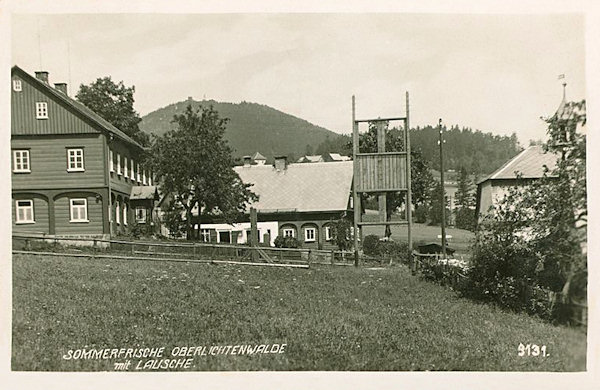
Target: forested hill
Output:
{"points": [[251, 128], [255, 127], [478, 152]]}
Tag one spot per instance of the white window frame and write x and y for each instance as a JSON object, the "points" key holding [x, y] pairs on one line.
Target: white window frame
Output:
{"points": [[41, 110], [125, 167], [286, 231], [119, 164], [118, 213], [124, 214], [306, 235], [17, 85], [205, 234], [111, 164], [79, 207], [75, 167], [328, 236], [21, 162], [142, 219], [25, 209]]}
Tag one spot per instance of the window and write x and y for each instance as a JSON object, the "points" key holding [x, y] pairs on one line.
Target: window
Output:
{"points": [[205, 235], [140, 214], [225, 237], [21, 161], [288, 232], [117, 213], [125, 166], [41, 110], [24, 211], [118, 164], [328, 236], [309, 234], [111, 162], [125, 214], [17, 87], [78, 210], [75, 160]]}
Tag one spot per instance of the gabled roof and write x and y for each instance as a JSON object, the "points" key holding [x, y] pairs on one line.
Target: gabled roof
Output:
{"points": [[311, 159], [529, 164], [258, 156], [338, 157], [143, 192], [76, 106], [300, 187]]}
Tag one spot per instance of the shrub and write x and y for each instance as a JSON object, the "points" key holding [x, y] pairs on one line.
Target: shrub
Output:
{"points": [[385, 249], [421, 214], [286, 242], [370, 244]]}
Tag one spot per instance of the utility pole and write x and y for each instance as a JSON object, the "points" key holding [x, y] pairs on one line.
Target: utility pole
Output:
{"points": [[443, 194]]}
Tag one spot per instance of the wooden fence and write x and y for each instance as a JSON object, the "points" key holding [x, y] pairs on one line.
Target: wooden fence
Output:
{"points": [[177, 251]]}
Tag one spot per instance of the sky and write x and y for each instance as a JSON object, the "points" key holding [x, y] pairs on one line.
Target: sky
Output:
{"points": [[496, 73]]}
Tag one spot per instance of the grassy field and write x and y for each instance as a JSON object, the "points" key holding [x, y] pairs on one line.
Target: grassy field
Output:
{"points": [[461, 239], [330, 318]]}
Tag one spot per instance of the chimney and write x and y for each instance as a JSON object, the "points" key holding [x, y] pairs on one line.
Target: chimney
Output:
{"points": [[61, 87], [247, 161], [280, 163], [42, 76]]}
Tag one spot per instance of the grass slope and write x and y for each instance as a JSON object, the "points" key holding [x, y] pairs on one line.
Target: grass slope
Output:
{"points": [[331, 318]]}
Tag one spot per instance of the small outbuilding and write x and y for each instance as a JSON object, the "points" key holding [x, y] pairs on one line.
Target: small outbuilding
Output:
{"points": [[433, 248]]}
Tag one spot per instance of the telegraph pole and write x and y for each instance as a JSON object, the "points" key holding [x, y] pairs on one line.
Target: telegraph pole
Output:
{"points": [[443, 194]]}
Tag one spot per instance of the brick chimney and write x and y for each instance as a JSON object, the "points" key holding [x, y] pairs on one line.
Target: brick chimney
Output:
{"points": [[61, 87], [280, 163], [42, 75], [247, 161]]}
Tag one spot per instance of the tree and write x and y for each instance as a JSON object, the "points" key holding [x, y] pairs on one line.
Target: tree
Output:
{"points": [[194, 163], [114, 103], [465, 201], [535, 239], [435, 208]]}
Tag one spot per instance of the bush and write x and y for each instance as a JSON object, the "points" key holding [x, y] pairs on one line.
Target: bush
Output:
{"points": [[286, 242], [393, 250], [421, 214], [370, 244]]}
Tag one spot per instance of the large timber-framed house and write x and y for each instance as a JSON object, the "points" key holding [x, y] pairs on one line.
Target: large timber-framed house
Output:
{"points": [[72, 172]]}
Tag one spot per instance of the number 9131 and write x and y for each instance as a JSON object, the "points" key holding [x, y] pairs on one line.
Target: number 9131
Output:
{"points": [[532, 350]]}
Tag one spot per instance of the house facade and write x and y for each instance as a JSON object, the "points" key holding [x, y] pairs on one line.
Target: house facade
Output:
{"points": [[521, 170], [295, 200], [72, 171]]}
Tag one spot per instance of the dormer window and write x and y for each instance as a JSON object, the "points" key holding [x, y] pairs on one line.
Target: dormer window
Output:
{"points": [[41, 110], [17, 86]]}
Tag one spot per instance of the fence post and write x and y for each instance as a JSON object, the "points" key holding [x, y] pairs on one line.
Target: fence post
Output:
{"points": [[309, 256], [332, 257]]}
